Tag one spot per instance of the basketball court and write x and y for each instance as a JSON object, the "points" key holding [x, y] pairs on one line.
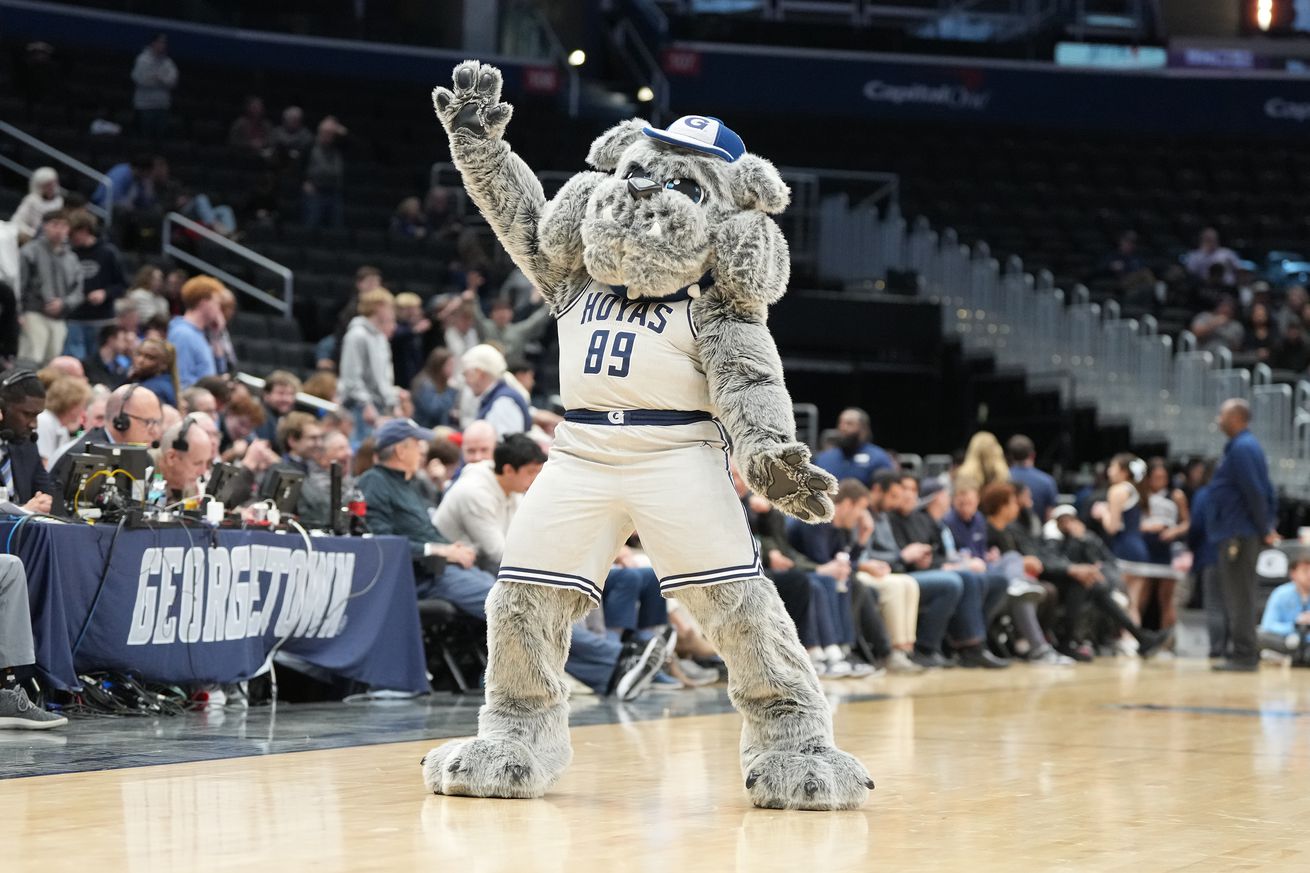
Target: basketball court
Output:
{"points": [[1119, 765]]}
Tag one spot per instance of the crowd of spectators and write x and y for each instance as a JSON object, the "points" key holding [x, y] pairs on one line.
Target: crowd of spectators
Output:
{"points": [[1230, 306]]}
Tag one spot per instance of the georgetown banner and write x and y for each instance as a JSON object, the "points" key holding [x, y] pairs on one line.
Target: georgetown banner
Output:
{"points": [[201, 606]]}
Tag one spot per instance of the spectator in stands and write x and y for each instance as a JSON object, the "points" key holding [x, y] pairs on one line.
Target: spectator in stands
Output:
{"points": [[155, 76], [196, 399], [154, 365], [95, 410], [967, 526], [455, 313], [328, 352], [280, 390], [17, 649], [1243, 513], [1292, 351], [435, 399], [409, 220], [1220, 327], [1125, 261], [220, 338], [300, 437], [325, 173], [1293, 302], [174, 280], [291, 139], [1209, 253], [477, 509], [853, 456], [133, 186], [22, 400], [496, 402], [251, 132], [336, 449], [1285, 625], [1261, 336], [1023, 469], [242, 416], [510, 336], [367, 383], [185, 454], [43, 196], [103, 282], [144, 300], [195, 355], [220, 388], [829, 630], [408, 340], [478, 443], [65, 405], [443, 211], [785, 565], [918, 522], [50, 286], [984, 461], [939, 591], [1076, 579], [446, 570], [1082, 548]]}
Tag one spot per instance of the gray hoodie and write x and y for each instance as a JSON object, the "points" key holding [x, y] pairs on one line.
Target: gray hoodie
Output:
{"points": [[46, 274], [155, 79], [366, 372]]}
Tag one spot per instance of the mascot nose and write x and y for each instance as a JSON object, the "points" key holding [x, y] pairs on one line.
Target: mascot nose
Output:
{"points": [[640, 189]]}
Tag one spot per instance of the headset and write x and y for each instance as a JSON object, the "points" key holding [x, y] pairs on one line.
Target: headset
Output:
{"points": [[121, 422], [8, 434], [180, 443]]}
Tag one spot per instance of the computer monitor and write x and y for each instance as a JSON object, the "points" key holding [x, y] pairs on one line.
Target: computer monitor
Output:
{"points": [[81, 485], [133, 460], [283, 488], [228, 484]]}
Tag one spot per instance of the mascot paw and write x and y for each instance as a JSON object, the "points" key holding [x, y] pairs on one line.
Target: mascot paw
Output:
{"points": [[484, 768], [819, 778], [474, 105], [787, 478]]}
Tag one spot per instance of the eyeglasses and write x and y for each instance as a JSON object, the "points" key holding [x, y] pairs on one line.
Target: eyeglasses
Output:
{"points": [[150, 423]]}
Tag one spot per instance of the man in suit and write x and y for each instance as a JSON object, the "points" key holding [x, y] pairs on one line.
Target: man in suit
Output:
{"points": [[133, 416], [26, 482]]}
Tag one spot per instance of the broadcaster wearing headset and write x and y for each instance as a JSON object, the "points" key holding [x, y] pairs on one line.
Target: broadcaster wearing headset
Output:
{"points": [[22, 399], [133, 416], [185, 453]]}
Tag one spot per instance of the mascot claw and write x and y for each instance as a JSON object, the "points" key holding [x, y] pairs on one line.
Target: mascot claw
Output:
{"points": [[474, 105], [794, 485], [821, 779]]}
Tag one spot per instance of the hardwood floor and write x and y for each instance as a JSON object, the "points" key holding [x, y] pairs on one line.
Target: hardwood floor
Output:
{"points": [[1117, 766]]}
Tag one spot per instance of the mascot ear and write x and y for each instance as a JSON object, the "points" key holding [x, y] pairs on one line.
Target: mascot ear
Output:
{"points": [[757, 184], [605, 152]]}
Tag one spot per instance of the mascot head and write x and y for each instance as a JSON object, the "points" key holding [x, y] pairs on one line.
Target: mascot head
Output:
{"points": [[670, 211]]}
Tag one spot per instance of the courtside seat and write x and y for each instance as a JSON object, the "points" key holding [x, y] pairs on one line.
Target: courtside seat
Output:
{"points": [[455, 644]]}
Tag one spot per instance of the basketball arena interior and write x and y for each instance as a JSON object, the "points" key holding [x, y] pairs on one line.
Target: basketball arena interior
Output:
{"points": [[713, 435]]}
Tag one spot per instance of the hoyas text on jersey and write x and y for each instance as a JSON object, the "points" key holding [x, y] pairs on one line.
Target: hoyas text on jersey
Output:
{"points": [[608, 306]]}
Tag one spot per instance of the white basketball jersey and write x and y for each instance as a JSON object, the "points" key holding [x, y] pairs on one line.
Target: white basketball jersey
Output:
{"points": [[618, 354]]}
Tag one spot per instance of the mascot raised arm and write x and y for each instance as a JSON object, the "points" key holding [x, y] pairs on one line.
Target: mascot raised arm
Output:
{"points": [[659, 267]]}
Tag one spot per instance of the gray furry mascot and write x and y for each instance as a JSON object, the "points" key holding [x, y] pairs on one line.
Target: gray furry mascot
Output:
{"points": [[659, 268]]}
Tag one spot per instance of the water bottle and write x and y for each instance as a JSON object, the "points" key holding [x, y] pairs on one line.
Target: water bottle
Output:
{"points": [[157, 494], [357, 508]]}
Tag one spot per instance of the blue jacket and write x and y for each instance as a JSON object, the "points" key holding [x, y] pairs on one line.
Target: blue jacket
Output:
{"points": [[195, 357], [1242, 500], [1284, 605], [1204, 552], [1042, 486], [866, 461], [970, 535]]}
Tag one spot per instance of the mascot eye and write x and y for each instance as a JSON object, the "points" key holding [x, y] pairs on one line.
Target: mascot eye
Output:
{"points": [[638, 171], [688, 187]]}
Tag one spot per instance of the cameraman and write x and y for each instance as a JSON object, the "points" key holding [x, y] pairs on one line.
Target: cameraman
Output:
{"points": [[1286, 621]]}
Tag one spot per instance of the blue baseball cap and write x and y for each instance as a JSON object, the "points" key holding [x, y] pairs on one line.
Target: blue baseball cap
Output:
{"points": [[702, 133], [399, 429]]}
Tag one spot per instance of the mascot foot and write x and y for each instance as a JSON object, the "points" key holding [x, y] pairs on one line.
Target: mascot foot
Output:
{"points": [[485, 768], [822, 778]]}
